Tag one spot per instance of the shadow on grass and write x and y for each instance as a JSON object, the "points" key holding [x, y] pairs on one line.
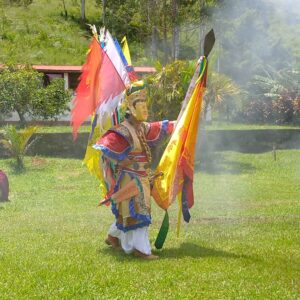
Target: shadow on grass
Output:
{"points": [[216, 163], [4, 201], [118, 254], [16, 169], [36, 164], [185, 250], [195, 251]]}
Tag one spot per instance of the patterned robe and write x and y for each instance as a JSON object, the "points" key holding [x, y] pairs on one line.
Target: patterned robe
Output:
{"points": [[117, 144]]}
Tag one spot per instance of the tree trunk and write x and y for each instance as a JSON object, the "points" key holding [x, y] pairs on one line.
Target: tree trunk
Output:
{"points": [[152, 23], [103, 11], [165, 32], [176, 45], [176, 28], [227, 111], [65, 9], [154, 42], [201, 28], [20, 162], [83, 11], [203, 117], [22, 118]]}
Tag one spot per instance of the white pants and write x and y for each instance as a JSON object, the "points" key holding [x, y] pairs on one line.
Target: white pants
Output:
{"points": [[133, 239]]}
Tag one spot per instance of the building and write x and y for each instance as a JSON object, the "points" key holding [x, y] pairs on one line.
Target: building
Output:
{"points": [[71, 75]]}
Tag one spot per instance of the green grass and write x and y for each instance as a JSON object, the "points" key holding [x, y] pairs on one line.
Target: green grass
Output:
{"points": [[66, 128], [242, 241], [57, 129], [213, 126]]}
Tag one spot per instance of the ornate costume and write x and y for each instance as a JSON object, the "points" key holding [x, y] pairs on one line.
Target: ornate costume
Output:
{"points": [[127, 170]]}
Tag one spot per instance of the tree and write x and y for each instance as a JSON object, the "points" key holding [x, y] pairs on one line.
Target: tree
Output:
{"points": [[22, 90], [167, 89], [253, 33], [219, 88], [158, 23], [52, 100], [18, 90]]}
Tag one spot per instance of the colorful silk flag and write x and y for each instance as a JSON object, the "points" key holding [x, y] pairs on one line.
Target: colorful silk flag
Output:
{"points": [[112, 78], [100, 81], [93, 161], [121, 52], [126, 51], [87, 94], [107, 109], [177, 162], [108, 45]]}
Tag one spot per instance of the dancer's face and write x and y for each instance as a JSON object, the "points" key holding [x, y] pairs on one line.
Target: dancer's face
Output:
{"points": [[141, 111]]}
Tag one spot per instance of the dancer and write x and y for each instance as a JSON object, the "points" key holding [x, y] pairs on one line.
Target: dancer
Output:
{"points": [[127, 170]]}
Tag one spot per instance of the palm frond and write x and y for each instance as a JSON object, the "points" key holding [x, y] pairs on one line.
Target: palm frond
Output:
{"points": [[16, 141]]}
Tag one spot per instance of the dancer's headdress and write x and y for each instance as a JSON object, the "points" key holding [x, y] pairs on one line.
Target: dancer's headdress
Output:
{"points": [[135, 93]]}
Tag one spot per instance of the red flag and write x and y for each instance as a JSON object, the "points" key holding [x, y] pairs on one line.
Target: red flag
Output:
{"points": [[99, 82]]}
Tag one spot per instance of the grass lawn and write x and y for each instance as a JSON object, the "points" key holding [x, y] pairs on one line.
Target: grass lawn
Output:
{"points": [[242, 242], [213, 126], [56, 129]]}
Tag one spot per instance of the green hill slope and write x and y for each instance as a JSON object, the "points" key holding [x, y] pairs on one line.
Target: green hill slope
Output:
{"points": [[41, 34]]}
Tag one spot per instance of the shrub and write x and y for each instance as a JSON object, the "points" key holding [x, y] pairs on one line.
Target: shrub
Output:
{"points": [[17, 142], [274, 97], [22, 90]]}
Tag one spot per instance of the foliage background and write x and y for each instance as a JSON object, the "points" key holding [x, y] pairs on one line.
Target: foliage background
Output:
{"points": [[251, 37]]}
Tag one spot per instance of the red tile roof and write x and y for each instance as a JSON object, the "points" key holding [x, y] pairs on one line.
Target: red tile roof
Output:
{"points": [[75, 69], [47, 68], [70, 69], [144, 69]]}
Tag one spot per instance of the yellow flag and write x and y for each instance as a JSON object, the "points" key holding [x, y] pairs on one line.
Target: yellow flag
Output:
{"points": [[125, 50], [93, 158], [177, 162]]}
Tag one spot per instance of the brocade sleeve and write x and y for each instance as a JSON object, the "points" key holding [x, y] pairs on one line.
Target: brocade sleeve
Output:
{"points": [[157, 131]]}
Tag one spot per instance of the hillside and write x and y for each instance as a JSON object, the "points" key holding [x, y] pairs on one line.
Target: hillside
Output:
{"points": [[41, 34], [260, 32]]}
